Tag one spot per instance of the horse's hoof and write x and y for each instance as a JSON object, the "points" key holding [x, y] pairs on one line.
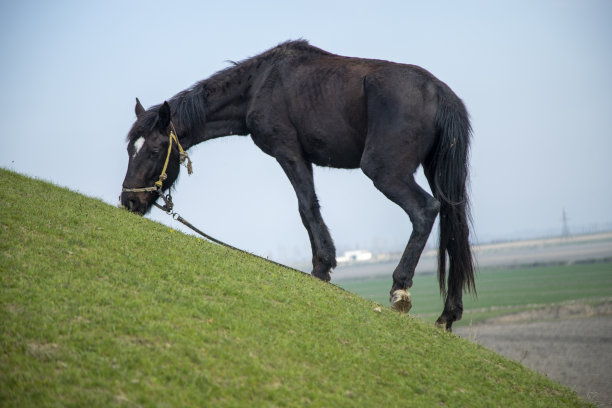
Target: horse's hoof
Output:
{"points": [[325, 277], [443, 325], [400, 301]]}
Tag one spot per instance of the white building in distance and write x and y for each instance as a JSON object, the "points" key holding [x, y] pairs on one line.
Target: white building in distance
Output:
{"points": [[358, 255]]}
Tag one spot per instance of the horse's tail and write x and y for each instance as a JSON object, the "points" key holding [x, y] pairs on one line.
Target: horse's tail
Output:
{"points": [[447, 170]]}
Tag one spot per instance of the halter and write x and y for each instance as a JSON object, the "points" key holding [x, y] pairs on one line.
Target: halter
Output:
{"points": [[163, 176]]}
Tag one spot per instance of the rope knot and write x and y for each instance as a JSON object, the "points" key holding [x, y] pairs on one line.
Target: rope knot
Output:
{"points": [[184, 156]]}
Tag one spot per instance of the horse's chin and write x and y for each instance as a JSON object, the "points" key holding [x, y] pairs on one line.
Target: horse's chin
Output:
{"points": [[143, 209], [141, 212], [133, 211]]}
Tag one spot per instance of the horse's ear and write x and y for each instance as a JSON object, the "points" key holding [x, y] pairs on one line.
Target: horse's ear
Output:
{"points": [[164, 116], [139, 109]]}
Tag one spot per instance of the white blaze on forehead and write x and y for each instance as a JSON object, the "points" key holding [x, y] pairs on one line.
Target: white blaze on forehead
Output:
{"points": [[138, 145]]}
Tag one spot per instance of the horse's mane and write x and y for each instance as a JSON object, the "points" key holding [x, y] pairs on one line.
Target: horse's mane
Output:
{"points": [[189, 106]]}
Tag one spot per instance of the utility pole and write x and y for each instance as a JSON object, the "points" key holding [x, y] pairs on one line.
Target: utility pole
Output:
{"points": [[565, 233]]}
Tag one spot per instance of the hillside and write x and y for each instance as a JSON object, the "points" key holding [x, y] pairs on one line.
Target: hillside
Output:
{"points": [[99, 307]]}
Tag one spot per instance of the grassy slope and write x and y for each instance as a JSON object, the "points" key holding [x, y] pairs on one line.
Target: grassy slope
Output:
{"points": [[99, 307], [502, 291]]}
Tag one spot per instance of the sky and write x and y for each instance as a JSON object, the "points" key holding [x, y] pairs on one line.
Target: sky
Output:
{"points": [[535, 77]]}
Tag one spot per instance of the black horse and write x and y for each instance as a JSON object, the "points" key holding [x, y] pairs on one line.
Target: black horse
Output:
{"points": [[302, 105]]}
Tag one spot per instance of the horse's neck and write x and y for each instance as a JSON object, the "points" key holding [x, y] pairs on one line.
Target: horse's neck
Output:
{"points": [[225, 104]]}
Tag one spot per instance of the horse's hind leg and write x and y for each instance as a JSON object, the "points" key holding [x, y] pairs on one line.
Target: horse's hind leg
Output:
{"points": [[300, 175], [399, 186]]}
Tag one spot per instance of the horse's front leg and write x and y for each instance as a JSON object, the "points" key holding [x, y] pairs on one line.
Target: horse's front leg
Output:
{"points": [[299, 172]]}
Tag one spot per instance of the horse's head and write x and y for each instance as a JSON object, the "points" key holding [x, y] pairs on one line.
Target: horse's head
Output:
{"points": [[150, 158]]}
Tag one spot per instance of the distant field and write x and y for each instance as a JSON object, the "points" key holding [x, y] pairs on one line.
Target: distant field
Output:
{"points": [[500, 291]]}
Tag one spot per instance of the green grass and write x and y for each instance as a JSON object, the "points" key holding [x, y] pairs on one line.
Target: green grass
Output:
{"points": [[501, 291], [100, 308]]}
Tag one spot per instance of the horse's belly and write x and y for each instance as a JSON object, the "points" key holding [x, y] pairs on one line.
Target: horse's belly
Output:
{"points": [[333, 151], [330, 135]]}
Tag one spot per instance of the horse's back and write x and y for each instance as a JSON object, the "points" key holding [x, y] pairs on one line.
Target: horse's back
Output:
{"points": [[325, 100], [335, 102]]}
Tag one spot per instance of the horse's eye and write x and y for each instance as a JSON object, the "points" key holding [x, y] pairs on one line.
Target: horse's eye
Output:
{"points": [[155, 153]]}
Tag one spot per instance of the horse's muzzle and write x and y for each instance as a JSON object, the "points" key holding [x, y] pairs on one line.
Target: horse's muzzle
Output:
{"points": [[132, 203]]}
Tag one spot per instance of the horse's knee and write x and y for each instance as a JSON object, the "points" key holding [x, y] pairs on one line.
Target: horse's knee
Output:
{"points": [[433, 207], [424, 217]]}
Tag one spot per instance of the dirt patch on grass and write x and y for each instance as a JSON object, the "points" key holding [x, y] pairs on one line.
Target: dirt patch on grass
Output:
{"points": [[570, 343], [43, 351]]}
